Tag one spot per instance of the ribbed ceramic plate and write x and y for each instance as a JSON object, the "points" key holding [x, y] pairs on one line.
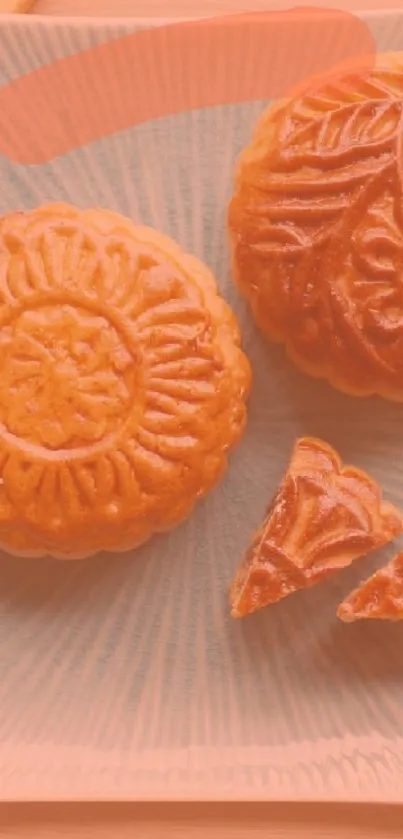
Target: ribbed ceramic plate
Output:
{"points": [[124, 676]]}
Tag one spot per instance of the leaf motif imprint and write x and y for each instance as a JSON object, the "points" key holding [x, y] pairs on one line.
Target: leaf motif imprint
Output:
{"points": [[316, 222]]}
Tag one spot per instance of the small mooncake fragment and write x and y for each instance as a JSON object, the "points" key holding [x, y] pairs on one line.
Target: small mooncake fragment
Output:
{"points": [[380, 596], [323, 517], [122, 382]]}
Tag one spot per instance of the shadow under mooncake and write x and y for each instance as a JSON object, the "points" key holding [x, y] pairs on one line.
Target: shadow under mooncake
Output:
{"points": [[122, 382], [316, 228]]}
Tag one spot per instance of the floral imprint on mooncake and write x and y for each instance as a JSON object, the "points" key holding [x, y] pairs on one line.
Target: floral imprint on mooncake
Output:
{"points": [[73, 359], [122, 382]]}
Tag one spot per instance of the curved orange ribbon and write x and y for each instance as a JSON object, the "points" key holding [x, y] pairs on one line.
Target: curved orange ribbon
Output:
{"points": [[169, 69]]}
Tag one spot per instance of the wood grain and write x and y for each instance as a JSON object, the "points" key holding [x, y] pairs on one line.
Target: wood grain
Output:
{"points": [[188, 8], [192, 821]]}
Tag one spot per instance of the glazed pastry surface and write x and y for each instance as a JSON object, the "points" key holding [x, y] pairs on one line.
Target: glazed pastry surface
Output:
{"points": [[324, 516], [316, 228], [122, 382], [381, 596]]}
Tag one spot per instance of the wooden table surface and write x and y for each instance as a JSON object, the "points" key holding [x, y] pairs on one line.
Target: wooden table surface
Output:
{"points": [[190, 8], [194, 821]]}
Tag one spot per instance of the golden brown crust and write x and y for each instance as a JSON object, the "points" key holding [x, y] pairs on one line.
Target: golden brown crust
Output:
{"points": [[323, 517], [15, 6], [379, 597], [122, 382], [316, 228]]}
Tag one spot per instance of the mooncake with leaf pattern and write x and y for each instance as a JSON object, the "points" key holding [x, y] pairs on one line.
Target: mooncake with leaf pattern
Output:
{"points": [[316, 228]]}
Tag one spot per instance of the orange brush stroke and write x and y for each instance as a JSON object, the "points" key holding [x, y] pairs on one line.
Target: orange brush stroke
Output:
{"points": [[170, 69]]}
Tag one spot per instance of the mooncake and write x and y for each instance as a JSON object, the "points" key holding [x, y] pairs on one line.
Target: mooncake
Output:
{"points": [[15, 6], [316, 228], [380, 596], [122, 382], [323, 517]]}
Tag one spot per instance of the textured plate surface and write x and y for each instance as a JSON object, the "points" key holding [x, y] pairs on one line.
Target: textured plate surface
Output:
{"points": [[125, 677]]}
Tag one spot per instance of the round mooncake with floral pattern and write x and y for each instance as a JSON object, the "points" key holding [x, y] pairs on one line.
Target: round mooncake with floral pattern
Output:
{"points": [[122, 382]]}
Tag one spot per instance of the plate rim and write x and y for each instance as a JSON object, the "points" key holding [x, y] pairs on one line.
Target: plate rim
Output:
{"points": [[104, 22]]}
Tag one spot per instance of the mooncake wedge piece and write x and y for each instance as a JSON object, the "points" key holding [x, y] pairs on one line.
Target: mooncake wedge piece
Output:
{"points": [[122, 382], [379, 597], [323, 517]]}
